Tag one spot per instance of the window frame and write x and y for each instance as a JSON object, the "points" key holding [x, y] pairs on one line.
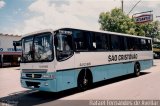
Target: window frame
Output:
{"points": [[56, 54], [33, 36]]}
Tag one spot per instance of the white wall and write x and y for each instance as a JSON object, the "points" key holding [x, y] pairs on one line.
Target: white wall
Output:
{"points": [[6, 43]]}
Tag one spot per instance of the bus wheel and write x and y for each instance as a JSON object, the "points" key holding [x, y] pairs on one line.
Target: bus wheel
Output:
{"points": [[84, 80], [137, 69]]}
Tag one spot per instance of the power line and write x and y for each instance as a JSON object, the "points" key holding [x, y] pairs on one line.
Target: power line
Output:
{"points": [[133, 7]]}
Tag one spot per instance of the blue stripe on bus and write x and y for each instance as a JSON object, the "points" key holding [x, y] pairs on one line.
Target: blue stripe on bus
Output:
{"points": [[111, 71], [68, 79]]}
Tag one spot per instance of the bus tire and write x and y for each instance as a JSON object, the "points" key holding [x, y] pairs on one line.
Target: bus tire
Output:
{"points": [[137, 69], [84, 80]]}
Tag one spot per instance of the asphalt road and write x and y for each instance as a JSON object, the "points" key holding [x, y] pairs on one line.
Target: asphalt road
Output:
{"points": [[144, 87]]}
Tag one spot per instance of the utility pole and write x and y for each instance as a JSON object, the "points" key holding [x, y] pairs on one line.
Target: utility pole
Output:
{"points": [[122, 5]]}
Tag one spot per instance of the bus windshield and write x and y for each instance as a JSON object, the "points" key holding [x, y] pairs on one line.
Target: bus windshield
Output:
{"points": [[37, 48]]}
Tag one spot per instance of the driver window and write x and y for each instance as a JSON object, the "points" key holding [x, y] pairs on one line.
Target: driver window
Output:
{"points": [[63, 45]]}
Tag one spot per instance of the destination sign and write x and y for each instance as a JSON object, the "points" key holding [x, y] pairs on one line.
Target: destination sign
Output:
{"points": [[65, 32]]}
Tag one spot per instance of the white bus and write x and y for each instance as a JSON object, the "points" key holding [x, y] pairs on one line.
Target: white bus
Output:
{"points": [[67, 58]]}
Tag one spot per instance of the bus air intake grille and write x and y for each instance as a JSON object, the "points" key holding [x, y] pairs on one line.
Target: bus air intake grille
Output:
{"points": [[34, 75]]}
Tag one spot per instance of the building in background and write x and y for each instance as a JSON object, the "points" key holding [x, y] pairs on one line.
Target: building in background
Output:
{"points": [[9, 57]]}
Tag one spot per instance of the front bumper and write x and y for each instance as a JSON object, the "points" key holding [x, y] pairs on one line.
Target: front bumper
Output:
{"points": [[39, 84], [49, 81]]}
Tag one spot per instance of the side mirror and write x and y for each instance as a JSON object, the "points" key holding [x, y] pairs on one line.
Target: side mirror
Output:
{"points": [[16, 43]]}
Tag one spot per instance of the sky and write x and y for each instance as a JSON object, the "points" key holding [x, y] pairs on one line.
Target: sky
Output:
{"points": [[25, 16]]}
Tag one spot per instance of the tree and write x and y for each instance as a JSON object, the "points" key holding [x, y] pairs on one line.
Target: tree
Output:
{"points": [[117, 21]]}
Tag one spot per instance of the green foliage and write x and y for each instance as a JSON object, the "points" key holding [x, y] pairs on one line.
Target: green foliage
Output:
{"points": [[117, 21]]}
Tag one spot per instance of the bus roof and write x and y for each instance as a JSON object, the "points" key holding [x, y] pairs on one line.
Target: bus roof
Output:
{"points": [[99, 31], [37, 32]]}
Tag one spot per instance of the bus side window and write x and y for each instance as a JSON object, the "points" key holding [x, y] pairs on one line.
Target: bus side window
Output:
{"points": [[100, 42], [81, 39], [137, 44], [130, 43], [149, 46], [146, 44], [115, 43]]}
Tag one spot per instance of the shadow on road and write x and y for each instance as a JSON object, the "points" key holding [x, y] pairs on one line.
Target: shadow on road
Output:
{"points": [[33, 97], [117, 79]]}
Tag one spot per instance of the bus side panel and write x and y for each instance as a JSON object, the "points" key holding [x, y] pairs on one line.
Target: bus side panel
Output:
{"points": [[99, 73], [111, 71], [66, 79], [145, 64], [130, 67]]}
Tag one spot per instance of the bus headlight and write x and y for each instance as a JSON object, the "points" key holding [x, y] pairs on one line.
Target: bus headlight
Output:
{"points": [[23, 75], [22, 81], [48, 76]]}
